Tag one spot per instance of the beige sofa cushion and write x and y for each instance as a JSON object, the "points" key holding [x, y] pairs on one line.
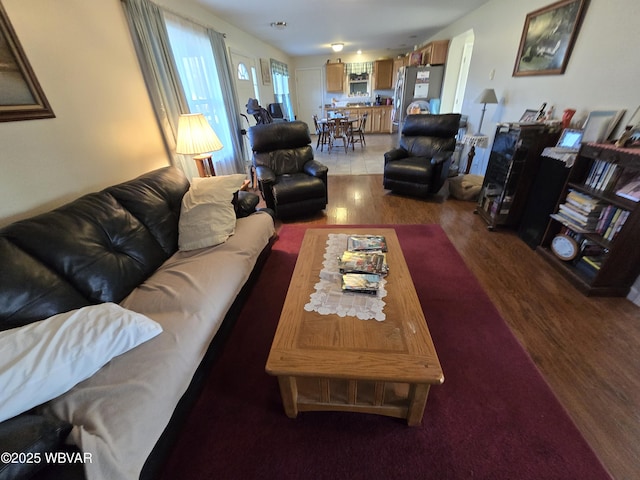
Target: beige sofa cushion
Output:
{"points": [[119, 413]]}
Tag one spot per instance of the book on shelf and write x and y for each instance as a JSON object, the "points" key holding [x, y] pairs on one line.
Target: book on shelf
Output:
{"points": [[368, 283], [578, 216], [363, 262], [617, 221], [583, 202], [589, 266], [567, 222], [630, 189], [363, 243], [603, 175]]}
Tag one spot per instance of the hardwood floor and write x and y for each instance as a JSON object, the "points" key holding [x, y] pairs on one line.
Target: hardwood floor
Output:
{"points": [[587, 348]]}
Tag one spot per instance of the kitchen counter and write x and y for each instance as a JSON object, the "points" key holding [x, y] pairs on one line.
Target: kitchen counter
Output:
{"points": [[378, 118]]}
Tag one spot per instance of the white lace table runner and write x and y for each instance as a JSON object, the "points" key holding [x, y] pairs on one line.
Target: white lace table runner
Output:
{"points": [[330, 299]]}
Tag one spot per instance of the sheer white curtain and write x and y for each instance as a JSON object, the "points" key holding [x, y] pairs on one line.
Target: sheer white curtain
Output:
{"points": [[194, 57]]}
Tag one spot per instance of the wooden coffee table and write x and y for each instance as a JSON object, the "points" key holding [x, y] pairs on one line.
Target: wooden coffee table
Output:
{"points": [[327, 362]]}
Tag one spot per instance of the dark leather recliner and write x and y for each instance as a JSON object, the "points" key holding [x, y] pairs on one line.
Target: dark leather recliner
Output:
{"points": [[420, 165], [291, 181]]}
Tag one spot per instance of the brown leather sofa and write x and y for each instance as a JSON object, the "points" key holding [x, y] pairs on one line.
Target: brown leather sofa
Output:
{"points": [[420, 164]]}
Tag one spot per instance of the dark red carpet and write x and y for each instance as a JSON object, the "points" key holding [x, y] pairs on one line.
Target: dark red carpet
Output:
{"points": [[493, 418]]}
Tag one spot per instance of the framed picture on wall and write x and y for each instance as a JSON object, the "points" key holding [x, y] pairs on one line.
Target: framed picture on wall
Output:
{"points": [[265, 70], [21, 97], [548, 37]]}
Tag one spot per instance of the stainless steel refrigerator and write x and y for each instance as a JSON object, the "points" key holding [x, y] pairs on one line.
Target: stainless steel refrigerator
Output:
{"points": [[417, 84]]}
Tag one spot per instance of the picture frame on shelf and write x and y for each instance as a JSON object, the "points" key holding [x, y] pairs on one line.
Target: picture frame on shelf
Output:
{"points": [[548, 37], [21, 96], [634, 123], [600, 124], [529, 116], [415, 58]]}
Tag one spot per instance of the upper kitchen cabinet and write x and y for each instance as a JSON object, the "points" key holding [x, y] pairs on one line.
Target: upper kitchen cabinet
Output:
{"points": [[383, 74], [435, 53], [335, 74]]}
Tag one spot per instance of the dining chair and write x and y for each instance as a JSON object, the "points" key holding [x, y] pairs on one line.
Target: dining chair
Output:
{"points": [[322, 131], [357, 134], [338, 128]]}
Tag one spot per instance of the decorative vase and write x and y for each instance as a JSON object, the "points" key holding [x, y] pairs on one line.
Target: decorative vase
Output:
{"points": [[567, 115]]}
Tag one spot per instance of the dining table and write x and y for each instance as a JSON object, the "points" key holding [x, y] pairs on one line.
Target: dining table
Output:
{"points": [[336, 128]]}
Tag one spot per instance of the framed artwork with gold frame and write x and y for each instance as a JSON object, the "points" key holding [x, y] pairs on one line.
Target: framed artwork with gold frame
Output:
{"points": [[548, 37], [21, 97]]}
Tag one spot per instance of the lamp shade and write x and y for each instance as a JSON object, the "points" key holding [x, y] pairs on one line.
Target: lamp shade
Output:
{"points": [[195, 135], [488, 95], [337, 47]]}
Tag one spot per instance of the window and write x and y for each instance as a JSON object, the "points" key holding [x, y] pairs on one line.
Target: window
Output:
{"points": [[196, 66], [243, 73], [280, 76]]}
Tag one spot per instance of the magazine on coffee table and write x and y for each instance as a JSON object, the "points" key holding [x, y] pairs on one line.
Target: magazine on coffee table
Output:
{"points": [[363, 262], [366, 243], [361, 283]]}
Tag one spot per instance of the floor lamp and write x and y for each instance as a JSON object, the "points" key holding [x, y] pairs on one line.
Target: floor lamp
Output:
{"points": [[488, 95], [195, 136]]}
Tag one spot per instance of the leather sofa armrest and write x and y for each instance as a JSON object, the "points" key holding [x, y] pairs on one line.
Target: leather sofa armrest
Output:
{"points": [[32, 435], [395, 154], [245, 203], [315, 168], [440, 157], [265, 174]]}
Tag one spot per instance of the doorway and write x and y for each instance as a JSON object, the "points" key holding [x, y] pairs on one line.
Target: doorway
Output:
{"points": [[309, 94], [246, 80]]}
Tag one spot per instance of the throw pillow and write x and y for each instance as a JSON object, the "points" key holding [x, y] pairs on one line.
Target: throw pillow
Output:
{"points": [[44, 359], [207, 216]]}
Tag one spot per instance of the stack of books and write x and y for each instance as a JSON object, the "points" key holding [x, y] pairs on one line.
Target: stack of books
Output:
{"points": [[580, 211], [363, 264]]}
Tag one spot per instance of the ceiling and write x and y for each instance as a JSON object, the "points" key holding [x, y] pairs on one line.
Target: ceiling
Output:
{"points": [[366, 25]]}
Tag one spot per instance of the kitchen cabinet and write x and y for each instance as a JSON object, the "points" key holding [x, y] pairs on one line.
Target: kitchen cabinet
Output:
{"points": [[435, 53], [335, 76], [397, 63], [383, 74], [378, 117]]}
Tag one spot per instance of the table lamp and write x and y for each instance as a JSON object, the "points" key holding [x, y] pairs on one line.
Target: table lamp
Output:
{"points": [[488, 95], [195, 136]]}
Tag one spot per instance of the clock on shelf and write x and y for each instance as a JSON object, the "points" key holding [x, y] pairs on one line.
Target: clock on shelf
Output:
{"points": [[564, 247]]}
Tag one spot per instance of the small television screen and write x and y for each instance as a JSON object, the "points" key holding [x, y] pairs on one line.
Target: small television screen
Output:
{"points": [[570, 139]]}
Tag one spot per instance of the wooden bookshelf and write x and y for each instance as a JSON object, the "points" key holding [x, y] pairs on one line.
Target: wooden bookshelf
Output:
{"points": [[615, 268]]}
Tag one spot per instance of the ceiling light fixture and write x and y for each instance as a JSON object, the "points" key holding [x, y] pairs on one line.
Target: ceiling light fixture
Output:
{"points": [[279, 25], [337, 47]]}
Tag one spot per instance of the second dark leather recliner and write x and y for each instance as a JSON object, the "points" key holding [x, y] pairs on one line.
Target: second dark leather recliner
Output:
{"points": [[291, 181], [420, 165]]}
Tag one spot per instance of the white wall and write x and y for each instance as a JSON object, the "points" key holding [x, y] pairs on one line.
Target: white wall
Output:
{"points": [[103, 133]]}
